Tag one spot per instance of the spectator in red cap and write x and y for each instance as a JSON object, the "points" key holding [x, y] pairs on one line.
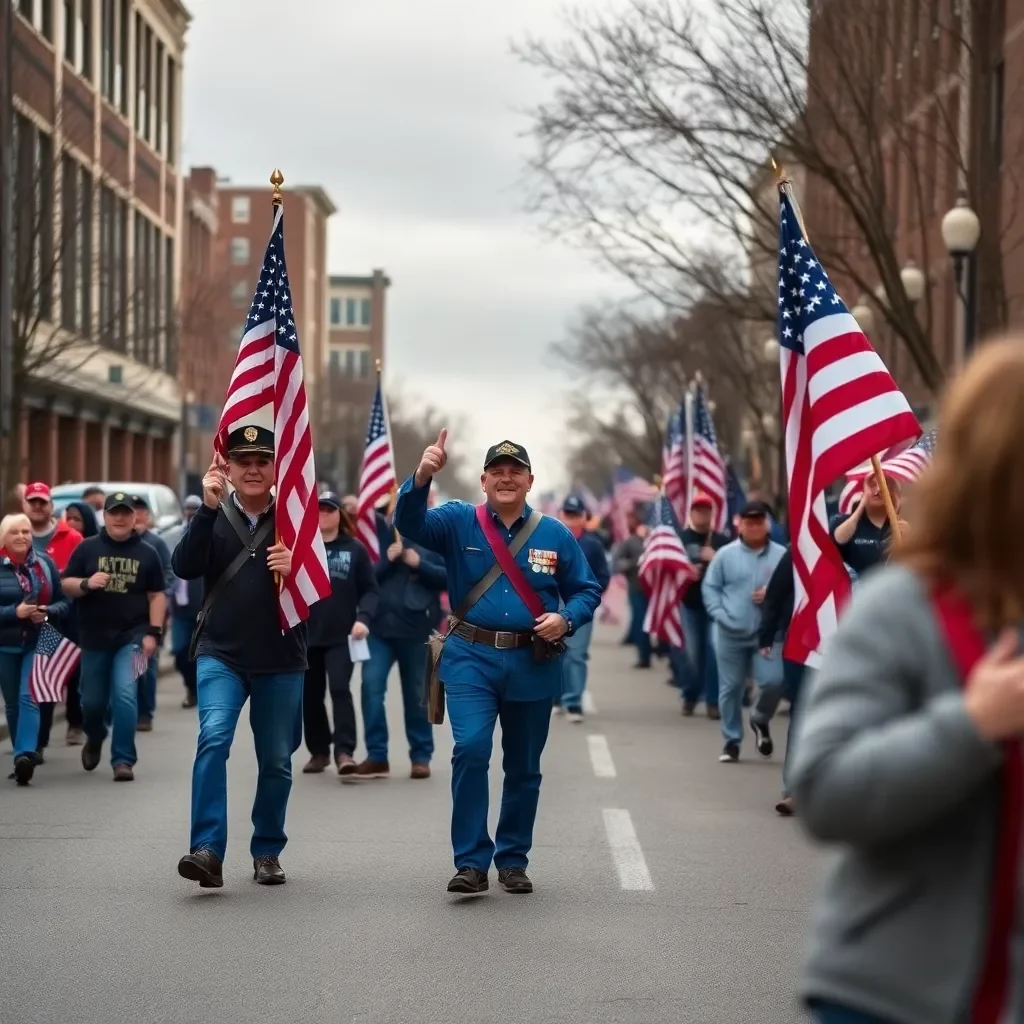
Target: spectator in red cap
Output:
{"points": [[50, 536]]}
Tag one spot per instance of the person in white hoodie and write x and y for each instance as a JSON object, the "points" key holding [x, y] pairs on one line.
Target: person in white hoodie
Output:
{"points": [[733, 590]]}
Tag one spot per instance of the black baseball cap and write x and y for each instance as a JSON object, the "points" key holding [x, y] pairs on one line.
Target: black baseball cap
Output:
{"points": [[138, 501], [574, 505], [119, 500], [755, 510], [330, 499], [507, 450], [250, 440]]}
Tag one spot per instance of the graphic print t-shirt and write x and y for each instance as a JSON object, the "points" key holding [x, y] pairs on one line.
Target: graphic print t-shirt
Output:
{"points": [[118, 614]]}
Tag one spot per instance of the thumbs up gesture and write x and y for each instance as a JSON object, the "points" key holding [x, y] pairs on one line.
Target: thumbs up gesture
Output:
{"points": [[433, 460]]}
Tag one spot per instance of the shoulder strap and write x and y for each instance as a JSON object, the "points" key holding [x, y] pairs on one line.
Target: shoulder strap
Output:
{"points": [[506, 556], [234, 517], [496, 570], [250, 542]]}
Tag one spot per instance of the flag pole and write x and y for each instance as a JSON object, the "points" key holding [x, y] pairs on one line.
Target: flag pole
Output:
{"points": [[276, 202], [786, 187]]}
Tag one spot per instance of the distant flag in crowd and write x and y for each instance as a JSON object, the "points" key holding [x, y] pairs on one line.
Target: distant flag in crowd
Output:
{"points": [[547, 503], [736, 497], [267, 384], [707, 473], [673, 465], [140, 662], [840, 406], [377, 478], [55, 659], [665, 572], [628, 491], [906, 466]]}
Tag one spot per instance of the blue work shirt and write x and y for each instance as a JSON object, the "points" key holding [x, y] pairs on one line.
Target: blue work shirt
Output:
{"points": [[453, 532]]}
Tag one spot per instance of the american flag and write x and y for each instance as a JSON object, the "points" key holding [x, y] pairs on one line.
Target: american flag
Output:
{"points": [[673, 465], [377, 478], [267, 386], [55, 659], [840, 406], [707, 474], [628, 491], [906, 466], [140, 661], [665, 572]]}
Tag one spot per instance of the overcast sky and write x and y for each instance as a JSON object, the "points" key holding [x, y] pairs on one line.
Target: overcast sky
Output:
{"points": [[407, 113]]}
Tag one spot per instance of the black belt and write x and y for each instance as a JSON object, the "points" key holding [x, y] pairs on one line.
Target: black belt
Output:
{"points": [[493, 638]]}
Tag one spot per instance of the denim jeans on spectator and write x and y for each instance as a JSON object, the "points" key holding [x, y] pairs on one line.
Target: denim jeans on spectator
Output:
{"points": [[107, 683], [411, 655], [21, 710], [701, 683], [830, 1013], [637, 636], [147, 687], [792, 684], [574, 667], [739, 660], [181, 638]]}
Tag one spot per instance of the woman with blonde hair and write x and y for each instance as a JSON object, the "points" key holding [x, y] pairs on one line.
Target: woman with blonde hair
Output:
{"points": [[909, 751], [30, 594]]}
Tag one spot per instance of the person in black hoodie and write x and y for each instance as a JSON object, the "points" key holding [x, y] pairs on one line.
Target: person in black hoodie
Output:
{"points": [[347, 612], [776, 613], [242, 654]]}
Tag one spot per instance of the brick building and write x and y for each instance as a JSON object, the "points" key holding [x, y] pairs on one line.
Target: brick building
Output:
{"points": [[96, 131], [356, 312]]}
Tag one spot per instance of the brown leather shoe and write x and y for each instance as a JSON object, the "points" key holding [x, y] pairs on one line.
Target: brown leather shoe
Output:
{"points": [[785, 807], [316, 764], [123, 773], [145, 725], [346, 764], [204, 867], [420, 771], [268, 871], [713, 713], [75, 738], [372, 770]]}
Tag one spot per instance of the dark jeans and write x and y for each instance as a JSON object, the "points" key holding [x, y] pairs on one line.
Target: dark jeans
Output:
{"points": [[73, 704], [411, 655], [701, 683], [829, 1013], [181, 637], [792, 684], [637, 636], [329, 666]]}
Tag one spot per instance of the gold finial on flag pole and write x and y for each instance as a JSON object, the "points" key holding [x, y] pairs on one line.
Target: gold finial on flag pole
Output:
{"points": [[277, 180]]}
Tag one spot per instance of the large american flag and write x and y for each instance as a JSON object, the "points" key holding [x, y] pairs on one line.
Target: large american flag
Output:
{"points": [[673, 465], [906, 466], [377, 478], [840, 406], [707, 474], [628, 491], [54, 660], [267, 388], [665, 572]]}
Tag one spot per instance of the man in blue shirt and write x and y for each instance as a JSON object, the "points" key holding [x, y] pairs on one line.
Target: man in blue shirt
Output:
{"points": [[489, 667]]}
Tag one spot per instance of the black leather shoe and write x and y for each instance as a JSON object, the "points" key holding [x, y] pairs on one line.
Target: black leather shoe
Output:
{"points": [[24, 768], [268, 871], [469, 882], [204, 867], [515, 881], [91, 754]]}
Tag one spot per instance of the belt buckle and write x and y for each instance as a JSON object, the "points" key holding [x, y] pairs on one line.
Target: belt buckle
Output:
{"points": [[501, 644]]}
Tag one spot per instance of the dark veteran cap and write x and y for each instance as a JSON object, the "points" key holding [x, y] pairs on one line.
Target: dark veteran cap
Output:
{"points": [[574, 505], [330, 499], [251, 440], [119, 500], [507, 450]]}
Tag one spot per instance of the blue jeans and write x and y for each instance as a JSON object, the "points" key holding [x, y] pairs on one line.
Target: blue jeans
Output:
{"points": [[830, 1013], [739, 660], [702, 680], [637, 636], [275, 715], [107, 683], [21, 710], [411, 656], [792, 684], [147, 687], [574, 667]]}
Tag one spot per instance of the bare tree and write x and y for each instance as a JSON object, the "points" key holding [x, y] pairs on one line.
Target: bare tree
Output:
{"points": [[653, 148]]}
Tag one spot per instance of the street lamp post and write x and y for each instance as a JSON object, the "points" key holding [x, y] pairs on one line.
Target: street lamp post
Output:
{"points": [[780, 483], [961, 231], [914, 282]]}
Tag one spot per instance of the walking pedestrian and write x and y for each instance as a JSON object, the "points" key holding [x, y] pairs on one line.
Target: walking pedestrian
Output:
{"points": [[501, 659], [865, 535], [627, 563], [185, 602], [117, 582], [242, 654], [734, 588], [30, 594], [346, 613]]}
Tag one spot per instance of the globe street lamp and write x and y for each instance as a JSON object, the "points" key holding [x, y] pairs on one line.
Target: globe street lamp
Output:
{"points": [[771, 350], [914, 282], [961, 231], [864, 316]]}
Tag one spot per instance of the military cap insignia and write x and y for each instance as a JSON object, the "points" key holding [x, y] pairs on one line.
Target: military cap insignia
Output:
{"points": [[506, 448], [250, 434], [119, 496]]}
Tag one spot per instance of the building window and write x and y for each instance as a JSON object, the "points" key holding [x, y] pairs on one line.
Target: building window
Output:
{"points": [[364, 363], [239, 209], [335, 314], [76, 255], [350, 362], [159, 121], [69, 31], [140, 84], [108, 49], [172, 99], [350, 312], [170, 353], [84, 65], [147, 83], [241, 297], [40, 14], [334, 361], [35, 262], [364, 312], [239, 251], [121, 68]]}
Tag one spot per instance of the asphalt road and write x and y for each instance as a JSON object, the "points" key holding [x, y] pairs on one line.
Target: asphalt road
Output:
{"points": [[667, 889]]}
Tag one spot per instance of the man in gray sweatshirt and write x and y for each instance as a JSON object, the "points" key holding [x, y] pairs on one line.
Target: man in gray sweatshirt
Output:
{"points": [[733, 590]]}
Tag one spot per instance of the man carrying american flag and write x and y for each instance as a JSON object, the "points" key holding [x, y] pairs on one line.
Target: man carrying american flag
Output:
{"points": [[260, 554], [377, 477], [665, 572], [707, 473]]}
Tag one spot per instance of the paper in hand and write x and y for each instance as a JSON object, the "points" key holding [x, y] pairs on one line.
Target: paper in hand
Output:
{"points": [[358, 650]]}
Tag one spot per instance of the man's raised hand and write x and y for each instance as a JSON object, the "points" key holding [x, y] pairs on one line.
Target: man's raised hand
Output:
{"points": [[433, 460]]}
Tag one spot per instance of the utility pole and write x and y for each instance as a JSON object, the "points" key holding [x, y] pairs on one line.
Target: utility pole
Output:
{"points": [[6, 248]]}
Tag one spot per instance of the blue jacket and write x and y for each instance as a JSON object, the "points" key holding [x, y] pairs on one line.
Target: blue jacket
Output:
{"points": [[409, 601], [734, 574], [20, 633], [591, 546]]}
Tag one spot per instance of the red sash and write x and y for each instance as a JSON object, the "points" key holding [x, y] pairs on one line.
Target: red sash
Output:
{"points": [[967, 646], [508, 564]]}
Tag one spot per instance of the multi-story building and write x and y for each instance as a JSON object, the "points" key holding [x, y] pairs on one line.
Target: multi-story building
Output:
{"points": [[356, 312], [97, 89]]}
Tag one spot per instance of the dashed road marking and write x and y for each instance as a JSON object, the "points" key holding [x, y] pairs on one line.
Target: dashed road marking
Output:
{"points": [[601, 757], [589, 707], [626, 852]]}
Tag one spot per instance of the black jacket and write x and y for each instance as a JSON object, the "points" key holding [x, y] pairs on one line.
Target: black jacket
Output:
{"points": [[353, 594], [409, 603], [777, 607], [243, 628]]}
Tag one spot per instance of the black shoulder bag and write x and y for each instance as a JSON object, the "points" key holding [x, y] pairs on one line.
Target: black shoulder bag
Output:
{"points": [[250, 545]]}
